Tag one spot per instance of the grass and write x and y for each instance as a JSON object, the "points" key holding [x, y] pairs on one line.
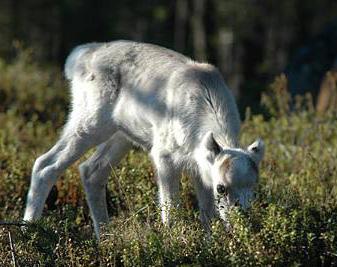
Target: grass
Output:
{"points": [[292, 222]]}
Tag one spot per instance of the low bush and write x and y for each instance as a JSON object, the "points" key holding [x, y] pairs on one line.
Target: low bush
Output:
{"points": [[293, 221]]}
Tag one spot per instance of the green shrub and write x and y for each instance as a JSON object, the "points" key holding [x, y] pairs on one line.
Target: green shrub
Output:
{"points": [[293, 221], [32, 91]]}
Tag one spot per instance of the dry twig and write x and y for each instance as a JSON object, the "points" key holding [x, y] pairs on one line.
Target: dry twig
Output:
{"points": [[8, 223], [12, 249]]}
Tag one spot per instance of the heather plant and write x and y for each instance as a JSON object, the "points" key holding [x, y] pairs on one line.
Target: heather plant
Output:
{"points": [[31, 91], [293, 220]]}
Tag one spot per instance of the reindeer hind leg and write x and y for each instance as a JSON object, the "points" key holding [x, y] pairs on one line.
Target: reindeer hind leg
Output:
{"points": [[95, 172]]}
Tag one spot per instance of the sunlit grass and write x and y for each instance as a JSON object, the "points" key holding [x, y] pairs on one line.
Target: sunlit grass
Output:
{"points": [[292, 222]]}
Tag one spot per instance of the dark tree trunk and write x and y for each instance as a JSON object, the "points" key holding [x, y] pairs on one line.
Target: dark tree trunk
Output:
{"points": [[198, 29], [15, 19], [180, 20]]}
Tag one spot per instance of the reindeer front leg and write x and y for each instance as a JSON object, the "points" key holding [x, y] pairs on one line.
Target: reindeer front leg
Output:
{"points": [[168, 182], [205, 201]]}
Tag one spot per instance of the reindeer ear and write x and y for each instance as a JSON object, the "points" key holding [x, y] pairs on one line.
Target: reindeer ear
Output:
{"points": [[256, 150], [211, 146]]}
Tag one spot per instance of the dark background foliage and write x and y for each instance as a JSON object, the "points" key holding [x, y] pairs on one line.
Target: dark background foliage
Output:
{"points": [[292, 222], [251, 41]]}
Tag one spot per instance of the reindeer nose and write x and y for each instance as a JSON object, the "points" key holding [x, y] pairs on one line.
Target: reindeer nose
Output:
{"points": [[220, 188]]}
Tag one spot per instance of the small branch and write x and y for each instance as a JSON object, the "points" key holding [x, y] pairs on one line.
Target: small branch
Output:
{"points": [[7, 223], [134, 214], [12, 249]]}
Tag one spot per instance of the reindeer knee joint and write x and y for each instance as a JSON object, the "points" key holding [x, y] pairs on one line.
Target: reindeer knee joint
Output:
{"points": [[39, 164], [84, 169], [89, 172]]}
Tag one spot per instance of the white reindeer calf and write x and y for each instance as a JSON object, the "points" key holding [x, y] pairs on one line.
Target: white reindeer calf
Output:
{"points": [[126, 93]]}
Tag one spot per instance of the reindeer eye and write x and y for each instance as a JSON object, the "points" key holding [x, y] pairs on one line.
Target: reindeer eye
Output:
{"points": [[221, 189]]}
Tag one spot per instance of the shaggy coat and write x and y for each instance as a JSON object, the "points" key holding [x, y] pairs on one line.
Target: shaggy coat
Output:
{"points": [[126, 93]]}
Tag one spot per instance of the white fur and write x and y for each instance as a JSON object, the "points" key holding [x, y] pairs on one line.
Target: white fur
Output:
{"points": [[128, 93]]}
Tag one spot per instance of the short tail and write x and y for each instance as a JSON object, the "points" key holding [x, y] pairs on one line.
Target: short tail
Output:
{"points": [[74, 60]]}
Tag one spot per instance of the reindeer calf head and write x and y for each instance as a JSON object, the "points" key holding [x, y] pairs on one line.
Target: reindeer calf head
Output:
{"points": [[232, 173]]}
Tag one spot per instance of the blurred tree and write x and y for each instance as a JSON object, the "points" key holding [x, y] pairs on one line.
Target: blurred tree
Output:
{"points": [[198, 29], [249, 40], [180, 23], [8, 26]]}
